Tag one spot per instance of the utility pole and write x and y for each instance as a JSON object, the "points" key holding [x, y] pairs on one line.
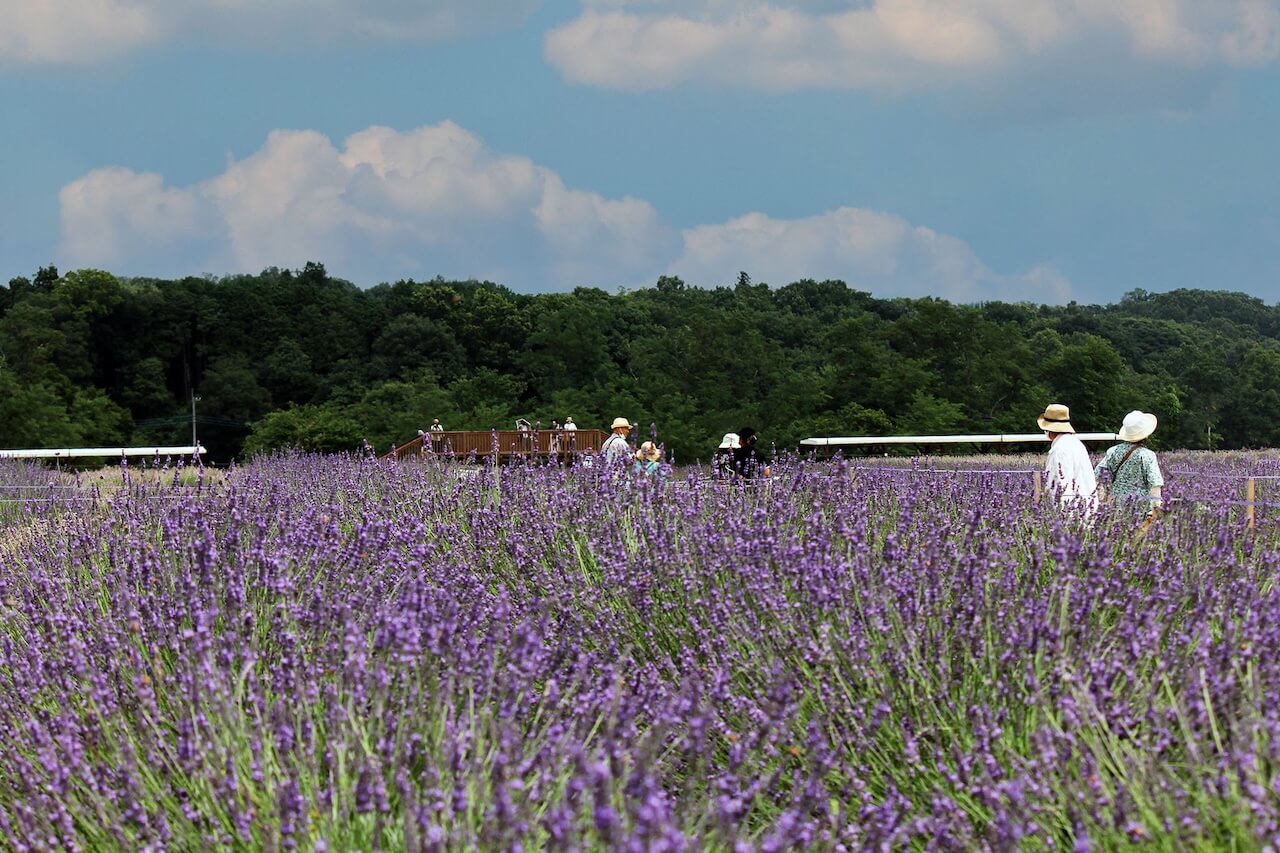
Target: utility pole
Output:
{"points": [[194, 399]]}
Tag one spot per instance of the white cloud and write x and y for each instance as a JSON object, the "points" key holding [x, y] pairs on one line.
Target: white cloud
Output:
{"points": [[898, 45], [437, 201], [875, 251], [77, 31], [73, 30], [429, 201], [107, 212]]}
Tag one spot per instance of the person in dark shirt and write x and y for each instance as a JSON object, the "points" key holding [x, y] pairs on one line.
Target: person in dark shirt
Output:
{"points": [[748, 461]]}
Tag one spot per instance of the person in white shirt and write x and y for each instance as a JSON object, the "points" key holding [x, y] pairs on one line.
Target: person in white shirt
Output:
{"points": [[1068, 474]]}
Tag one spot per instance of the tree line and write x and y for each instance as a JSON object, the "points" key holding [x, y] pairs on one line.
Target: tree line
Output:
{"points": [[298, 358]]}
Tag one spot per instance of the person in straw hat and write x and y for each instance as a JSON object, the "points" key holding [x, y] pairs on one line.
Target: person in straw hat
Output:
{"points": [[1136, 480], [1068, 476], [615, 447], [648, 460]]}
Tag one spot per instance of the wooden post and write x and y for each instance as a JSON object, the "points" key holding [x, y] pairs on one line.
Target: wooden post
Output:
{"points": [[1036, 485], [1249, 492]]}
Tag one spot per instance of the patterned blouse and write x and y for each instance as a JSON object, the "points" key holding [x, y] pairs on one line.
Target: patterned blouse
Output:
{"points": [[1133, 480]]}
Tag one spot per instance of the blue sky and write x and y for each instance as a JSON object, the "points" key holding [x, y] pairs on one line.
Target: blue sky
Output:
{"points": [[1047, 150]]}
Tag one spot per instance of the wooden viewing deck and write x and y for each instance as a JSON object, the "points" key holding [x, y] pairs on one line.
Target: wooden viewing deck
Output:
{"points": [[460, 444]]}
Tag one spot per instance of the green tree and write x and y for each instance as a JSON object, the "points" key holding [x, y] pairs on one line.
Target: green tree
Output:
{"points": [[317, 428]]}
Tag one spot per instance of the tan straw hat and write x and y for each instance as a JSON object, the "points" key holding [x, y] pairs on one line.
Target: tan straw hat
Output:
{"points": [[1056, 418], [1137, 426], [649, 452], [620, 422]]}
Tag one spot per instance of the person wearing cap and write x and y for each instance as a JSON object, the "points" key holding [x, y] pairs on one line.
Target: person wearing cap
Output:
{"points": [[615, 447], [722, 459], [1136, 481], [435, 425], [1068, 476], [748, 461]]}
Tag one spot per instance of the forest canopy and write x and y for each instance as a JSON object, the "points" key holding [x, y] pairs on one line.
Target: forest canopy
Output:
{"points": [[297, 358]]}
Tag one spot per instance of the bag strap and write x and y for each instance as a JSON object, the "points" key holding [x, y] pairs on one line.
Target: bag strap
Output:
{"points": [[1116, 470]]}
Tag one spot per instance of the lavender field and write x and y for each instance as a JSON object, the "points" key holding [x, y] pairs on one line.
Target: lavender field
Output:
{"points": [[320, 654]]}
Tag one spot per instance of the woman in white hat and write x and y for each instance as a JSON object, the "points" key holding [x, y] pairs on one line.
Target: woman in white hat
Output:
{"points": [[1136, 480], [722, 459]]}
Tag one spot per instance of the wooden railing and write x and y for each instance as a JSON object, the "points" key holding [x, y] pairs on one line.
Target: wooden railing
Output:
{"points": [[460, 444]]}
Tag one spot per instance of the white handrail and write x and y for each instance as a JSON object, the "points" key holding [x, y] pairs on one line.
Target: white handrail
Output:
{"points": [[1005, 438], [70, 452]]}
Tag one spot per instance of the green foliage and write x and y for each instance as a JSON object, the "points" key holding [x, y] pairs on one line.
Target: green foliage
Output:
{"points": [[316, 428], [300, 355], [52, 412]]}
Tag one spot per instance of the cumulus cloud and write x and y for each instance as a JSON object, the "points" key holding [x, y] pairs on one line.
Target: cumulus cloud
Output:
{"points": [[897, 45], [76, 31], [73, 30], [875, 251], [386, 204], [436, 200]]}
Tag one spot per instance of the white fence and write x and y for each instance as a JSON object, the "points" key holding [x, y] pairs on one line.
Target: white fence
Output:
{"points": [[109, 452], [1003, 438]]}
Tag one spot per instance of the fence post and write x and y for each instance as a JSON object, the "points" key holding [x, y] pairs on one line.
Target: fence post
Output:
{"points": [[1036, 485], [1249, 492]]}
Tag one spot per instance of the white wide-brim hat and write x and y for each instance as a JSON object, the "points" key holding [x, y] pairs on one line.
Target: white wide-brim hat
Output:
{"points": [[730, 441], [1137, 426], [1056, 418]]}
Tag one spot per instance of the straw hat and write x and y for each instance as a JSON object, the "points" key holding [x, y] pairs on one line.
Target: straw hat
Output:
{"points": [[730, 441], [622, 423], [1056, 418], [649, 452], [1137, 426]]}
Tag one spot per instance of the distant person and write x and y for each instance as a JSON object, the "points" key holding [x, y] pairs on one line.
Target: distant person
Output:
{"points": [[571, 435], [1068, 476], [553, 444], [435, 425], [366, 449], [722, 459], [1136, 481], [748, 461], [616, 447], [424, 439], [648, 460]]}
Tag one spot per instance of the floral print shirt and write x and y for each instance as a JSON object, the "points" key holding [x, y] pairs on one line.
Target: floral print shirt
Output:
{"points": [[1133, 480]]}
